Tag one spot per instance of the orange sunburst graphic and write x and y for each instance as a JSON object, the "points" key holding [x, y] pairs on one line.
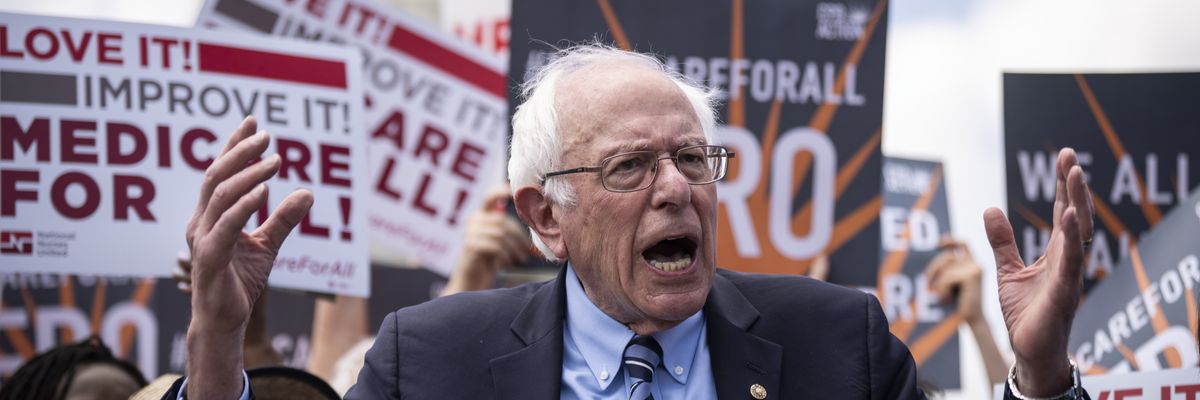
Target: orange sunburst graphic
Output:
{"points": [[67, 293], [850, 225]]}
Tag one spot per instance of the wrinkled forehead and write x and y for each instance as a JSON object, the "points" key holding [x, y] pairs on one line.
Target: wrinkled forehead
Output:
{"points": [[605, 99]]}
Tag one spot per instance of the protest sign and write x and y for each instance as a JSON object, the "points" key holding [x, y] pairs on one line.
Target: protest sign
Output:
{"points": [[914, 217], [1143, 317], [434, 109], [1172, 384], [802, 94], [1135, 135], [482, 22], [107, 129]]}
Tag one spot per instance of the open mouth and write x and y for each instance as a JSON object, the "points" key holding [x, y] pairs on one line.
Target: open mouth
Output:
{"points": [[671, 255]]}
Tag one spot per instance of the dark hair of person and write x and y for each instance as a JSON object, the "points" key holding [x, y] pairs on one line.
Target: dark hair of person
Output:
{"points": [[49, 375], [279, 383]]}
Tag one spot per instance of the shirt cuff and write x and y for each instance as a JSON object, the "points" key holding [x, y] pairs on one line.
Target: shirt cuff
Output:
{"points": [[245, 388]]}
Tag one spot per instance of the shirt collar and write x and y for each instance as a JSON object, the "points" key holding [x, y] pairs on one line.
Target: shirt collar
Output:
{"points": [[601, 340]]}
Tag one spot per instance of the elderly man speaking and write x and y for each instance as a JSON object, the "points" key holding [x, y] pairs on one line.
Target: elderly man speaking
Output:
{"points": [[613, 160]]}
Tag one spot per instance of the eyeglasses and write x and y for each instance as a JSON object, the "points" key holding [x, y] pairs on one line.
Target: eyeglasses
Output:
{"points": [[636, 170]]}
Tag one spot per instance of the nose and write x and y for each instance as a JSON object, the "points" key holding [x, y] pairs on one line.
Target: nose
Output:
{"points": [[670, 188]]}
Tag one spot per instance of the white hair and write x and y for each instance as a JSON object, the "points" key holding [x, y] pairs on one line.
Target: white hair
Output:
{"points": [[536, 145]]}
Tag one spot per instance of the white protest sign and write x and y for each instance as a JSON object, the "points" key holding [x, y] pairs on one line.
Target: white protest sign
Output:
{"points": [[435, 110], [482, 22], [1167, 384], [107, 128]]}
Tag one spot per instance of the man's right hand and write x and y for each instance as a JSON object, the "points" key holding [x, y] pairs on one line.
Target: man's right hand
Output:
{"points": [[229, 266]]}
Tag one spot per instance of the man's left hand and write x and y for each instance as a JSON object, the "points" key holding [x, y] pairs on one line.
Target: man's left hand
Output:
{"points": [[1039, 300]]}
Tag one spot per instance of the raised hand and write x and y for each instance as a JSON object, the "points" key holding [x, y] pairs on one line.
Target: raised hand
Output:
{"points": [[954, 276], [493, 239], [229, 266], [1039, 300]]}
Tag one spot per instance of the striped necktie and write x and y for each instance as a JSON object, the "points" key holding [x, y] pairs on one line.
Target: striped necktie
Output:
{"points": [[642, 356]]}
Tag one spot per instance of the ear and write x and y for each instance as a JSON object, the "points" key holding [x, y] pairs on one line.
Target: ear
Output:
{"points": [[537, 212]]}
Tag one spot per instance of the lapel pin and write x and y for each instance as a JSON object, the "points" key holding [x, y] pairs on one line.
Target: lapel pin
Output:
{"points": [[758, 391]]}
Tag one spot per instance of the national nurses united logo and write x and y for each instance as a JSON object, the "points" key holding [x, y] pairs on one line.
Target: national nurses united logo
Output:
{"points": [[839, 21], [16, 242]]}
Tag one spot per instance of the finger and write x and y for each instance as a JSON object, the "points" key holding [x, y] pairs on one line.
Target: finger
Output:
{"points": [[494, 238], [942, 284], [183, 260], [941, 263], [517, 239], [1081, 199], [963, 251], [947, 282], [1004, 246], [285, 218], [517, 232], [228, 164], [183, 282], [233, 189], [1063, 164], [496, 198], [248, 126], [819, 269], [1071, 267], [228, 228]]}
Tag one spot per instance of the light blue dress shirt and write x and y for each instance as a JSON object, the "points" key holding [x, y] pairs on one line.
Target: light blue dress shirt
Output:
{"points": [[593, 344]]}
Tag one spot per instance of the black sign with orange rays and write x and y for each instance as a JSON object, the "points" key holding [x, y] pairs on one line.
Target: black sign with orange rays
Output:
{"points": [[803, 109], [914, 219], [1138, 141], [1144, 316]]}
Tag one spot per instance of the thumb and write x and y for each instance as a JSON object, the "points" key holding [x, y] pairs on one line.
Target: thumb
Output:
{"points": [[496, 198], [286, 217], [1004, 245]]}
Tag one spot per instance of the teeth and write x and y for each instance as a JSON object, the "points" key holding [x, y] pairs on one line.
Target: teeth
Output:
{"points": [[671, 266]]}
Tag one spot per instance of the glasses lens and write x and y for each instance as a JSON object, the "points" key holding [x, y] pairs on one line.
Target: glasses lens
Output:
{"points": [[696, 164], [627, 171]]}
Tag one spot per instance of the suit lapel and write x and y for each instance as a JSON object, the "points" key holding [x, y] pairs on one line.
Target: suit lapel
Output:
{"points": [[740, 359], [535, 371]]}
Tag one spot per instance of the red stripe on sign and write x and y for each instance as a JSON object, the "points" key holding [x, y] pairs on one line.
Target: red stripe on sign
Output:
{"points": [[261, 64], [447, 60]]}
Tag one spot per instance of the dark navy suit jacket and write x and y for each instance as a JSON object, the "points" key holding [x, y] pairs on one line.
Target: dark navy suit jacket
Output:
{"points": [[797, 337]]}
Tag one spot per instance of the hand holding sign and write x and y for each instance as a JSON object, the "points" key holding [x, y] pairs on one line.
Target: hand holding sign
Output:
{"points": [[954, 276], [230, 267], [1039, 300]]}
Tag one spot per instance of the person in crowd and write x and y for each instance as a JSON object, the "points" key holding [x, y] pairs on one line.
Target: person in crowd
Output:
{"points": [[954, 275], [612, 164], [82, 371]]}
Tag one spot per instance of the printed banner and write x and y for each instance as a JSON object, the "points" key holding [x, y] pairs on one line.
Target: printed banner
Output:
{"points": [[914, 217], [435, 111], [1173, 384], [802, 108], [1135, 135], [1143, 317], [107, 129]]}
